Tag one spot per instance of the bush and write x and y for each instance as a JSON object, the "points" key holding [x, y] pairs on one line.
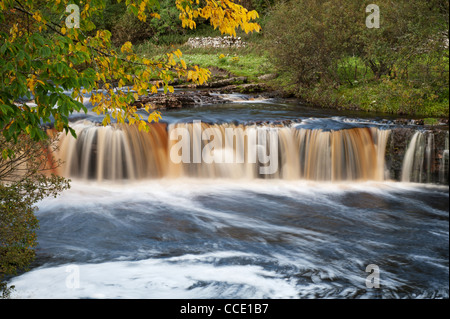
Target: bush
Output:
{"points": [[310, 46], [23, 182], [326, 48], [130, 28], [125, 26]]}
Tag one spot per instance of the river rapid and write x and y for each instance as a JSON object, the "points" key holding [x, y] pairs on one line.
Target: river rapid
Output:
{"points": [[203, 235]]}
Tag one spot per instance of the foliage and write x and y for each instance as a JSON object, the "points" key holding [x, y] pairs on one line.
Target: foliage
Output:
{"points": [[307, 47], [24, 180], [43, 59], [130, 29], [327, 50], [262, 6], [125, 26], [109, 17]]}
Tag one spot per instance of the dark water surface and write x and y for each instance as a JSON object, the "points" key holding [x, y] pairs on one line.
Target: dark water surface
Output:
{"points": [[262, 239]]}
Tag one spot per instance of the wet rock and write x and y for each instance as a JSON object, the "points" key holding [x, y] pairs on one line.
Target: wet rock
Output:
{"points": [[395, 150], [224, 82], [179, 100], [245, 88]]}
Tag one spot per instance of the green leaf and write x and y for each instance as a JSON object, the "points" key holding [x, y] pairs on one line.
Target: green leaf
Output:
{"points": [[45, 52], [5, 154], [72, 132], [20, 55], [38, 38], [5, 109], [133, 10], [59, 68], [4, 47]]}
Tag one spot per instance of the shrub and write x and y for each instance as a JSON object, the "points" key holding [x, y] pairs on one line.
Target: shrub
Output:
{"points": [[323, 46], [23, 182]]}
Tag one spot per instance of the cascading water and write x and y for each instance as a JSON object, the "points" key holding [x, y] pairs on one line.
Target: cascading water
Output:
{"points": [[444, 163], [421, 160], [123, 152], [413, 160], [113, 152]]}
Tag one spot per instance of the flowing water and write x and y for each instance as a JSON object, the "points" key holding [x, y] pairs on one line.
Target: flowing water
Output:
{"points": [[138, 224]]}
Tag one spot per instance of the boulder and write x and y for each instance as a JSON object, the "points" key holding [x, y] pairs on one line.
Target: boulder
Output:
{"points": [[179, 99]]}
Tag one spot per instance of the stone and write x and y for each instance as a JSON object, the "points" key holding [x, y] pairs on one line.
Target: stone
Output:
{"points": [[179, 99], [216, 42]]}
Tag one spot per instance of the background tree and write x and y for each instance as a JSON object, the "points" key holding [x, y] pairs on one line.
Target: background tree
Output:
{"points": [[42, 58], [45, 60], [326, 46]]}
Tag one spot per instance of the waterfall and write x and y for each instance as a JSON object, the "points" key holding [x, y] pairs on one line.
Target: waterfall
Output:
{"points": [[122, 152], [351, 154], [201, 150], [414, 157], [113, 152], [423, 161], [444, 163]]}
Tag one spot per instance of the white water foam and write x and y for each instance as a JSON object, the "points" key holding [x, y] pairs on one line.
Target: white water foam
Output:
{"points": [[188, 276], [217, 273]]}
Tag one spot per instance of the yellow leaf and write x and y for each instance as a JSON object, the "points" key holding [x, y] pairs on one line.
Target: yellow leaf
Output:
{"points": [[142, 125], [106, 120], [178, 53], [155, 15], [155, 116], [37, 17], [142, 6], [126, 47]]}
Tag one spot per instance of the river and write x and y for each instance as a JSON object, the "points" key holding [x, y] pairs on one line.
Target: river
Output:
{"points": [[137, 225]]}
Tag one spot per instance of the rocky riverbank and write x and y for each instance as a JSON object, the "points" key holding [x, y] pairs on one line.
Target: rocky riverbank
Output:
{"points": [[189, 95], [215, 91]]}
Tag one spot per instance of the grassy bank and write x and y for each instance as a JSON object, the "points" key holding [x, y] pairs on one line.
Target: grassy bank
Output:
{"points": [[249, 61], [359, 89]]}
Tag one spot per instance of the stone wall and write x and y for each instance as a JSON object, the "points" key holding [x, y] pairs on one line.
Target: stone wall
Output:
{"points": [[217, 42]]}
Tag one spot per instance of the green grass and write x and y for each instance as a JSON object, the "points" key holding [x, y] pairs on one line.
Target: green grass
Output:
{"points": [[237, 63], [424, 95], [247, 61], [359, 88], [392, 96], [431, 121], [234, 62]]}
